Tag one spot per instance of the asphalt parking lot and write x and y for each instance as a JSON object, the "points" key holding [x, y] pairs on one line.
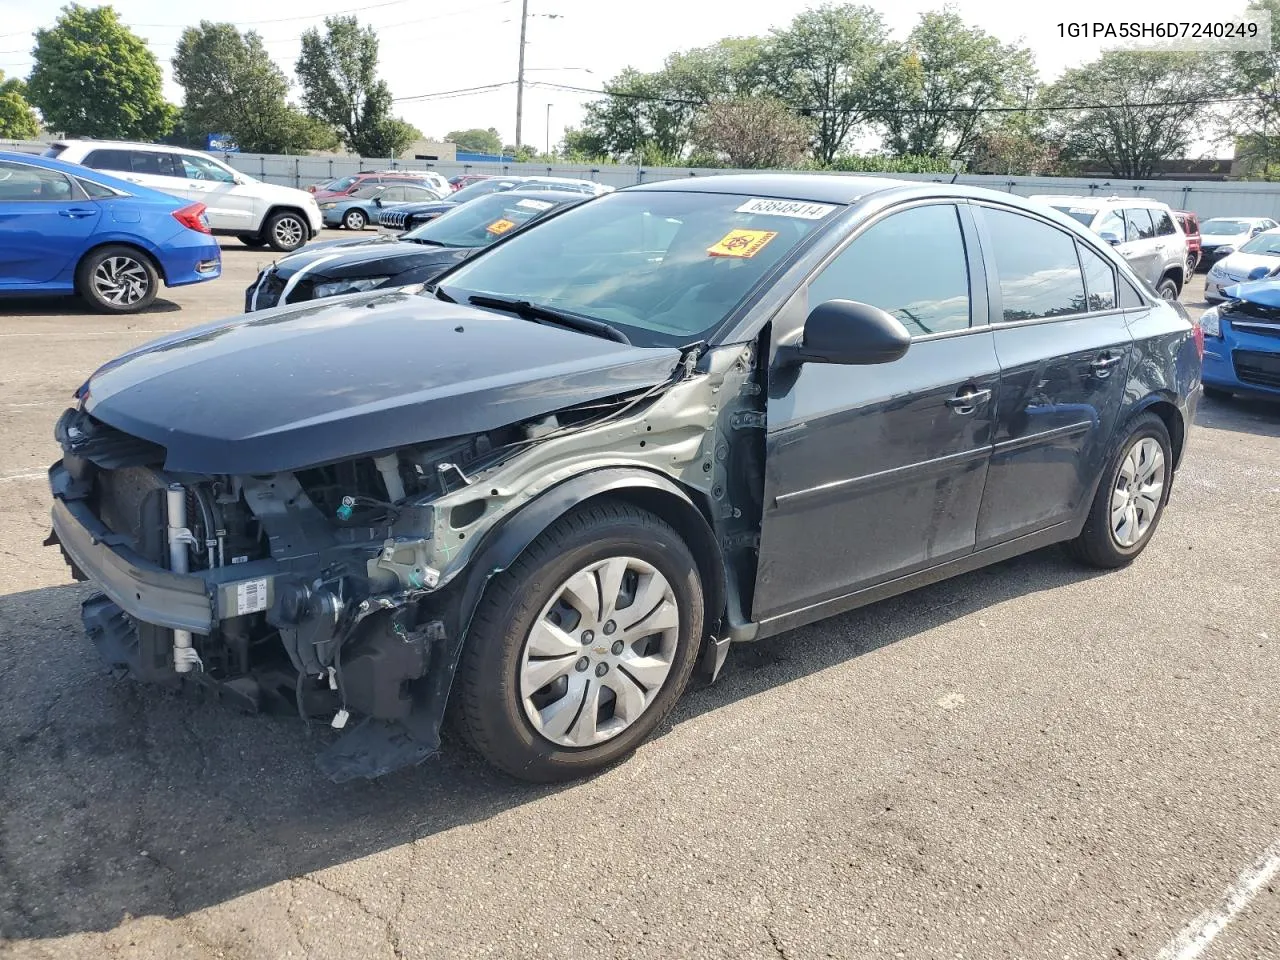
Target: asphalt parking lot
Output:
{"points": [[1032, 761]]}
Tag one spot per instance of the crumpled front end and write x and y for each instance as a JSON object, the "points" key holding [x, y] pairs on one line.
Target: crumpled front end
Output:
{"points": [[342, 591]]}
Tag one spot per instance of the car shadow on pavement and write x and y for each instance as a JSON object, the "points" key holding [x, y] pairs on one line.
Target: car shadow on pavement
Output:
{"points": [[121, 800], [63, 307], [1240, 415]]}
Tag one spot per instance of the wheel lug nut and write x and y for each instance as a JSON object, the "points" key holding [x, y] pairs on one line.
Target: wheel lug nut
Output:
{"points": [[610, 627], [587, 636], [582, 664], [617, 647], [601, 669]]}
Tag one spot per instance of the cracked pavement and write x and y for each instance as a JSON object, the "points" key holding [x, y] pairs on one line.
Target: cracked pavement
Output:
{"points": [[1034, 760]]}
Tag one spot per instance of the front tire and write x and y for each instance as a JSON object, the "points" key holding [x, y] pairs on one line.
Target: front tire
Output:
{"points": [[286, 231], [1131, 498], [251, 240], [582, 648], [117, 279], [354, 220]]}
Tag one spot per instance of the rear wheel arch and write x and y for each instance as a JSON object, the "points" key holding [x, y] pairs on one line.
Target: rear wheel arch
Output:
{"points": [[132, 245], [1167, 411], [1176, 274]]}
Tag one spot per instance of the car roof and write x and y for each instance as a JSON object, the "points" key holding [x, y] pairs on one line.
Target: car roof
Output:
{"points": [[559, 196], [1238, 219], [1098, 203], [93, 176], [127, 144], [813, 187]]}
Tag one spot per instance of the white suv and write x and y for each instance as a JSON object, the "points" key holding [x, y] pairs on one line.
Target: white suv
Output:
{"points": [[1144, 232], [260, 214]]}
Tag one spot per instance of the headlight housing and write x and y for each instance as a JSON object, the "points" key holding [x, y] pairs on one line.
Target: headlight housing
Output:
{"points": [[1217, 271], [352, 285], [327, 206], [1211, 323], [1223, 251]]}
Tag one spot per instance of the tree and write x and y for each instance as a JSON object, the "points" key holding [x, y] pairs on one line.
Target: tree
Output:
{"points": [[942, 80], [17, 121], [1254, 123], [340, 87], [93, 77], [829, 64], [230, 85], [476, 140], [754, 132], [1131, 111]]}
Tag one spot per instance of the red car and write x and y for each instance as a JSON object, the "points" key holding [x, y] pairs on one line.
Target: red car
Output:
{"points": [[345, 186], [467, 179], [1190, 224]]}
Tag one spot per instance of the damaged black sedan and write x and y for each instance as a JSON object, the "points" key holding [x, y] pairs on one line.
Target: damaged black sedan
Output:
{"points": [[684, 414]]}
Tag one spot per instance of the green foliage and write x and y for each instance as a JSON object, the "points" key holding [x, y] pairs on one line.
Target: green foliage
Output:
{"points": [[93, 77], [753, 132], [231, 85], [17, 120], [940, 81], [1255, 123], [829, 64], [885, 163], [1105, 123], [476, 140], [338, 70]]}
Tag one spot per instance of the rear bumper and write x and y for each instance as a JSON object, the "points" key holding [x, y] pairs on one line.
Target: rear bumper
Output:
{"points": [[190, 259]]}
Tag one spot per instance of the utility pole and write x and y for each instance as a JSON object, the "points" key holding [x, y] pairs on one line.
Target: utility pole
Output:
{"points": [[548, 129], [524, 22]]}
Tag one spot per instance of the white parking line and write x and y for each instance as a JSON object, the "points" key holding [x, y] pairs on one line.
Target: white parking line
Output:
{"points": [[23, 476], [89, 333], [1199, 933]]}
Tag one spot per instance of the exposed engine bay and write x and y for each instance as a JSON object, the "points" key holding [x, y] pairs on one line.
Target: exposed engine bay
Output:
{"points": [[342, 591]]}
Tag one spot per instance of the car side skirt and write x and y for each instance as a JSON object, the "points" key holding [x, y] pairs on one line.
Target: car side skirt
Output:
{"points": [[891, 588]]}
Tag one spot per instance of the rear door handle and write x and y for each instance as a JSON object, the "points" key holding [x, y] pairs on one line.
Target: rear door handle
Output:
{"points": [[75, 213], [968, 400]]}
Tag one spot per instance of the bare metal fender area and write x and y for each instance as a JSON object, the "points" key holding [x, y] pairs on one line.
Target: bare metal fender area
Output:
{"points": [[343, 591]]}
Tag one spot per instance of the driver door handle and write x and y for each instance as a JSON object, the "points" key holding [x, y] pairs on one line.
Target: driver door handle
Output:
{"points": [[1102, 366], [968, 400]]}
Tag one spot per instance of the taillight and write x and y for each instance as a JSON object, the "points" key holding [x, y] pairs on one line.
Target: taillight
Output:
{"points": [[192, 217], [1197, 332]]}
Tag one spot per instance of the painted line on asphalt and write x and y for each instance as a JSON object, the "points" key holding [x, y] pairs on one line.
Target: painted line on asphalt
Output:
{"points": [[23, 476], [1196, 936], [90, 333]]}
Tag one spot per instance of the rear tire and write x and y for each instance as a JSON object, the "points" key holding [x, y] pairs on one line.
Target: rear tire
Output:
{"points": [[117, 279], [540, 653], [286, 231], [1193, 261], [251, 240], [1128, 505], [1167, 289]]}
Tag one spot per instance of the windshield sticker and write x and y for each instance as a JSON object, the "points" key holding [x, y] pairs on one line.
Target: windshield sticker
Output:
{"points": [[499, 227], [741, 243], [527, 204], [800, 209]]}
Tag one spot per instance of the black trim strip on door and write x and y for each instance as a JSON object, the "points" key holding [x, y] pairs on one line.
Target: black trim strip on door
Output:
{"points": [[1031, 439], [882, 477]]}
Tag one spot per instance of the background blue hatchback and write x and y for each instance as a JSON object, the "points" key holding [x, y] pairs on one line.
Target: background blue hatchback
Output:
{"points": [[1242, 341], [68, 230]]}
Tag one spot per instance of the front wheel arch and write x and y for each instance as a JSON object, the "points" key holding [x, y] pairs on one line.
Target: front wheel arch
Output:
{"points": [[642, 488]]}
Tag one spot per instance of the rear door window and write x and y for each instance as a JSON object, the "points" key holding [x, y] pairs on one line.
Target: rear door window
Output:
{"points": [[1138, 224], [1037, 267], [1164, 223], [1099, 280], [109, 160]]}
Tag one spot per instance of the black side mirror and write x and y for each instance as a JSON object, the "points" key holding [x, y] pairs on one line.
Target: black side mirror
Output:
{"points": [[848, 332], [1111, 238], [377, 201]]}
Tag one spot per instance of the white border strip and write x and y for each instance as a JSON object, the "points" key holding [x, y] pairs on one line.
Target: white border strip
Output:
{"points": [[1200, 932]]}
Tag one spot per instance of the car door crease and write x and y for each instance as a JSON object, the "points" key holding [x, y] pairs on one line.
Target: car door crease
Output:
{"points": [[891, 475]]}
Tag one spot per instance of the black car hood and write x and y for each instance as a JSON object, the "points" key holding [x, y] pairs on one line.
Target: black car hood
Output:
{"points": [[332, 379], [426, 206], [365, 257]]}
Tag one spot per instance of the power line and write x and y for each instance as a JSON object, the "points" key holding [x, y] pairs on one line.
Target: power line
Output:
{"points": [[461, 91], [1044, 108]]}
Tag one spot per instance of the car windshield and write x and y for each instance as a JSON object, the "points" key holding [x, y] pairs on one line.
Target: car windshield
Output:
{"points": [[367, 192], [1082, 214], [479, 223], [1224, 228], [342, 184], [666, 267], [482, 188], [1264, 244]]}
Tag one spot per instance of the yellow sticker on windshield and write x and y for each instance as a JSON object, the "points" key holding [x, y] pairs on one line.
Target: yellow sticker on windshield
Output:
{"points": [[499, 227], [741, 243]]}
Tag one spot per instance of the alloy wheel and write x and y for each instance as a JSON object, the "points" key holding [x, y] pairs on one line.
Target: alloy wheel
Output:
{"points": [[121, 281], [355, 220], [1139, 488], [599, 652], [288, 231]]}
